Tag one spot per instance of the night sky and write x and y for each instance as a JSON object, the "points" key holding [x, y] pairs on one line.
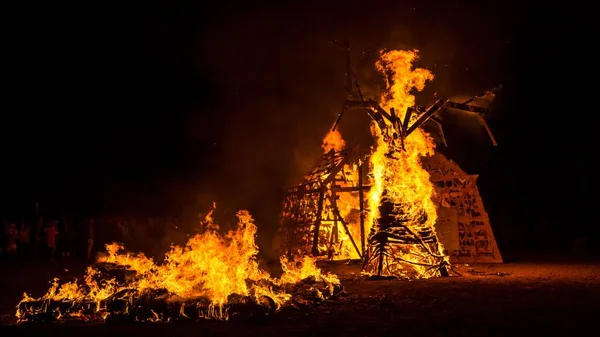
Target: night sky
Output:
{"points": [[146, 106]]}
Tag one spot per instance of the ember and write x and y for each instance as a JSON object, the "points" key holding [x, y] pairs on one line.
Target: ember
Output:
{"points": [[213, 277]]}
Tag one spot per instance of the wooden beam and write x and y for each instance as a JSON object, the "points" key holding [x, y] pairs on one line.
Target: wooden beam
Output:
{"points": [[361, 207], [315, 246], [425, 116]]}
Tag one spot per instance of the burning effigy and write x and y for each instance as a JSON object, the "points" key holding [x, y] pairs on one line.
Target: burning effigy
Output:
{"points": [[213, 276], [381, 205]]}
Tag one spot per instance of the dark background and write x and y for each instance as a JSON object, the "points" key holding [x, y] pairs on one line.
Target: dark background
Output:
{"points": [[146, 106]]}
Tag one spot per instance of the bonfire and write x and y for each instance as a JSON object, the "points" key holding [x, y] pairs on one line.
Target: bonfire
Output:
{"points": [[384, 215], [213, 276], [400, 201], [399, 213]]}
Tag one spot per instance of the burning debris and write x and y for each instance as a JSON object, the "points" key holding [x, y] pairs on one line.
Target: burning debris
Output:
{"points": [[394, 202], [213, 277]]}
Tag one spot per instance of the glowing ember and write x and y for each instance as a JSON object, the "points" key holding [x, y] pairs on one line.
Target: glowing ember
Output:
{"points": [[213, 276], [402, 213]]}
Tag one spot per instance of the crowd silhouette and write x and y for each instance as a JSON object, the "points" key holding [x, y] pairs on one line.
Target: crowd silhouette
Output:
{"points": [[63, 238]]}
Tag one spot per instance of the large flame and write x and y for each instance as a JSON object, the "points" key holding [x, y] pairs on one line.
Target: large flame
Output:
{"points": [[405, 178], [211, 266], [398, 172]]}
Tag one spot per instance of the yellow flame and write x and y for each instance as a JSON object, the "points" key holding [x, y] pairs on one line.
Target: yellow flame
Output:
{"points": [[403, 79], [333, 141], [346, 202], [210, 265], [402, 177]]}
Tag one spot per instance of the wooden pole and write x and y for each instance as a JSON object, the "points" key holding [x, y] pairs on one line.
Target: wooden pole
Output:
{"points": [[361, 203], [315, 245]]}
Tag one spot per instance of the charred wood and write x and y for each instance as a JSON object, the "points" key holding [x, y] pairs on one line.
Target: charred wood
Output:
{"points": [[159, 305]]}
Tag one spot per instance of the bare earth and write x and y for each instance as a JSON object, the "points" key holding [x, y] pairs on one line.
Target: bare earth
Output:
{"points": [[541, 299]]}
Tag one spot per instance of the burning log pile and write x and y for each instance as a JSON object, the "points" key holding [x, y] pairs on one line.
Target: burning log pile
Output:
{"points": [[159, 305], [213, 277]]}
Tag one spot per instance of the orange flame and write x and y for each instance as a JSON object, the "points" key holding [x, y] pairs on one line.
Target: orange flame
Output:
{"points": [[210, 265], [402, 177], [333, 141], [346, 203]]}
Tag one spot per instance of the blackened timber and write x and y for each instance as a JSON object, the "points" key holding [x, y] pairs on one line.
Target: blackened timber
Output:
{"points": [[325, 166], [377, 118], [472, 108], [409, 112], [339, 216], [358, 93], [384, 113], [337, 120], [492, 92], [396, 123], [333, 171], [425, 116], [438, 122], [470, 100], [361, 207], [340, 189], [334, 233], [315, 247], [487, 128], [154, 305], [466, 107], [368, 104]]}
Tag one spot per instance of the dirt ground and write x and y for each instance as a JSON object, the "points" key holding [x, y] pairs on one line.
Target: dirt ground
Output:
{"points": [[540, 299]]}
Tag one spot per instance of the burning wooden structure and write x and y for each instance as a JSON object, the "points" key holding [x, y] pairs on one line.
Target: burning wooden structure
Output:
{"points": [[463, 225], [312, 221], [326, 215]]}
